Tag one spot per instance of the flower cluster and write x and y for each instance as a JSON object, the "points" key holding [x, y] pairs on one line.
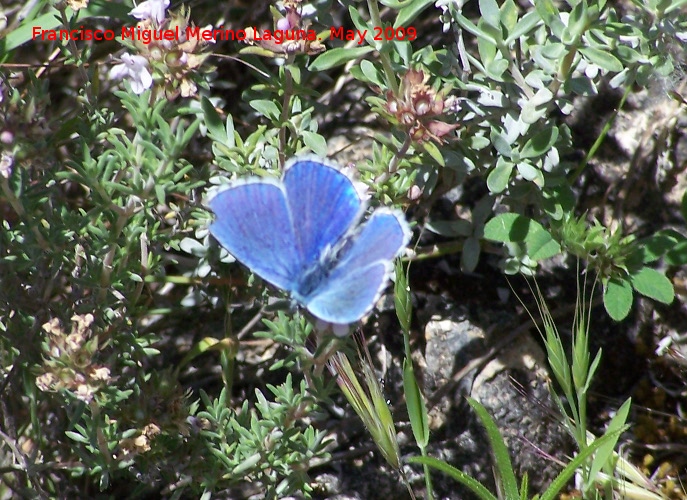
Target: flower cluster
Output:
{"points": [[290, 36], [141, 443], [77, 5], [417, 106], [170, 61], [68, 363], [157, 408]]}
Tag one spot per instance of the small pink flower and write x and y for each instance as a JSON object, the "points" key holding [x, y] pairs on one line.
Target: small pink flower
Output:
{"points": [[151, 9], [135, 69]]}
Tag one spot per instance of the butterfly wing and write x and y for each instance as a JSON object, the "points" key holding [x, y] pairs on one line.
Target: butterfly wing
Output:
{"points": [[324, 205], [253, 222], [354, 285]]}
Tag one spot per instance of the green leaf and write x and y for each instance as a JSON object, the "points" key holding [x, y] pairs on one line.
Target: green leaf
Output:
{"points": [[369, 404], [470, 27], [618, 298], [96, 8], [675, 4], [548, 11], [408, 13], [570, 470], [193, 246], [213, 122], [208, 344], [394, 4], [498, 178], [470, 256], [628, 55], [434, 152], [577, 22], [683, 206], [402, 298], [487, 51], [604, 454], [602, 59], [267, 108], [315, 142], [509, 15], [658, 244], [77, 437], [526, 24], [516, 228], [336, 57], [490, 12], [531, 173], [541, 143], [417, 410], [677, 256], [500, 142], [653, 284], [540, 245], [554, 50], [372, 72], [450, 228], [592, 370], [504, 467], [495, 69], [460, 476]]}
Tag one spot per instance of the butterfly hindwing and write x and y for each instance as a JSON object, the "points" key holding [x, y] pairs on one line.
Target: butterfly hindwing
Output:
{"points": [[254, 224], [360, 273]]}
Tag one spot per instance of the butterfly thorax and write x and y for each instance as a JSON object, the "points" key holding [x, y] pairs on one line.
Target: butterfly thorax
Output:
{"points": [[314, 275]]}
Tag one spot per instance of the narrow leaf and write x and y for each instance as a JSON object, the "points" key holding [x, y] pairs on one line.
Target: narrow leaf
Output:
{"points": [[503, 463], [567, 474], [603, 59], [460, 476], [337, 57], [417, 410], [605, 452]]}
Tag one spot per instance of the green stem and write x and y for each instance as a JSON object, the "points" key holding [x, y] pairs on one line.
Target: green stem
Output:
{"points": [[76, 54], [376, 20], [285, 111], [393, 166], [600, 139]]}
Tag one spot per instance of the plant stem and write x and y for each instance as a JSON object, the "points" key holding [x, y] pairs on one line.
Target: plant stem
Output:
{"points": [[285, 111], [394, 162], [600, 139], [376, 20]]}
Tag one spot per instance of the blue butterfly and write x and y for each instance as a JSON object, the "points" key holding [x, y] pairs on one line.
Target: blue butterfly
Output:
{"points": [[303, 234]]}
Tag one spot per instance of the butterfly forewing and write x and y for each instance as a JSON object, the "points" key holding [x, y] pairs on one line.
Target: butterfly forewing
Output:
{"points": [[324, 205], [253, 223]]}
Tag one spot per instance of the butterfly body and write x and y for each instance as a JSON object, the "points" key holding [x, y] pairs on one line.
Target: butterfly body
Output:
{"points": [[303, 234]]}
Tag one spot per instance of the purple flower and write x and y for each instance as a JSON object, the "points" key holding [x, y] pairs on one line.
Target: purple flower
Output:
{"points": [[151, 9], [283, 24], [135, 69]]}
